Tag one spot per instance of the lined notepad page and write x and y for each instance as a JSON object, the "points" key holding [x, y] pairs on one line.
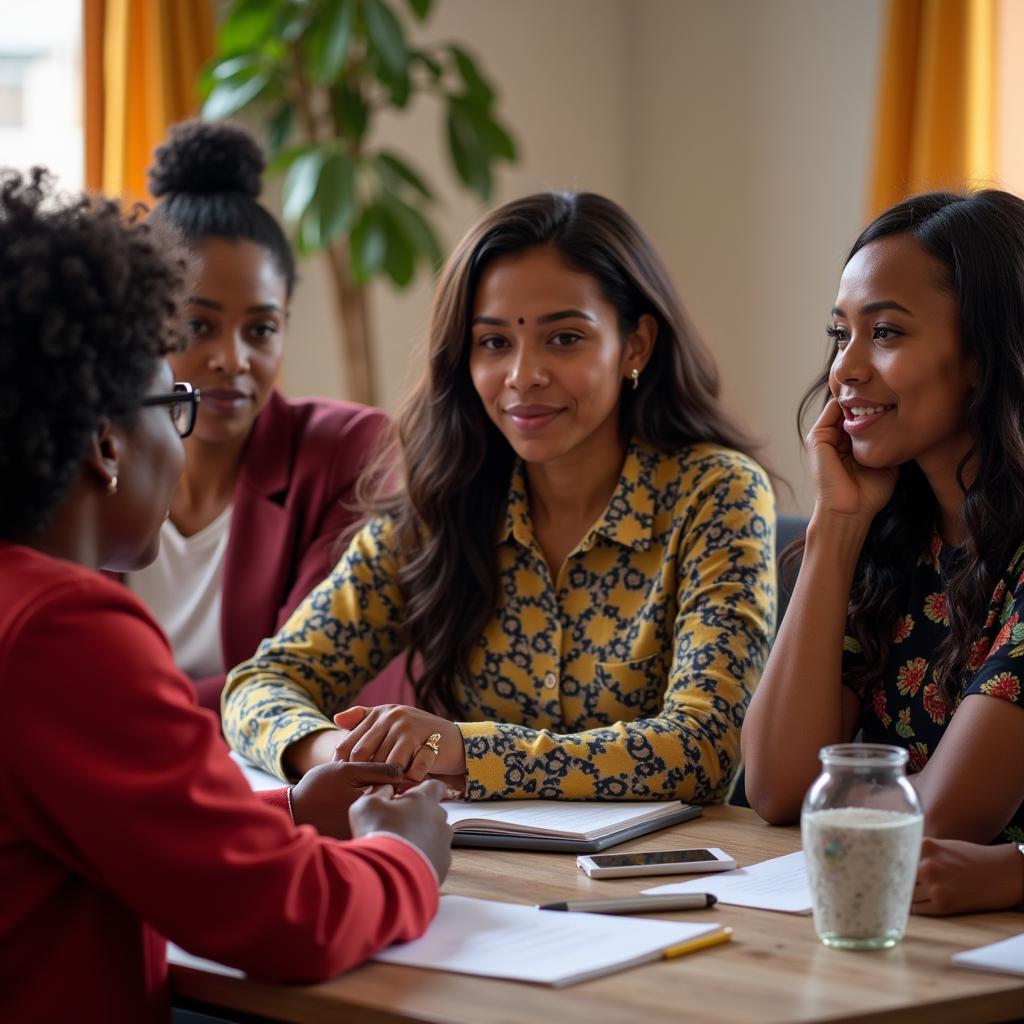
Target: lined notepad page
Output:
{"points": [[521, 943]]}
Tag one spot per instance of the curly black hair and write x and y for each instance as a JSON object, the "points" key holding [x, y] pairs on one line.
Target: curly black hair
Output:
{"points": [[207, 177], [89, 300]]}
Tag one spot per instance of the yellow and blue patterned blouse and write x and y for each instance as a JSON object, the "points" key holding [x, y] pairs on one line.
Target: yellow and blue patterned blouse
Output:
{"points": [[626, 678]]}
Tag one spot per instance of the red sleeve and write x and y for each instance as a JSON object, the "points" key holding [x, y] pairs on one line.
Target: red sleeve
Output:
{"points": [[362, 434], [111, 768]]}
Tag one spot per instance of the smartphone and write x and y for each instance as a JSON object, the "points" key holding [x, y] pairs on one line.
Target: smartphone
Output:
{"points": [[660, 862]]}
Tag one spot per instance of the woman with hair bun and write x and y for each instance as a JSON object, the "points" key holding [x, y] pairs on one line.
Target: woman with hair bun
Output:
{"points": [[580, 552], [268, 482]]}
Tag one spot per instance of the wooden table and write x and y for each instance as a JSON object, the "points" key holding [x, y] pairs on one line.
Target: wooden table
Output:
{"points": [[775, 969]]}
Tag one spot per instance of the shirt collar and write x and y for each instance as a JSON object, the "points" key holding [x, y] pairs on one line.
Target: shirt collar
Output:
{"points": [[627, 520]]}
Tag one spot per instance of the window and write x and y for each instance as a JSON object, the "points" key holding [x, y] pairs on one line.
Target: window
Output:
{"points": [[41, 87]]}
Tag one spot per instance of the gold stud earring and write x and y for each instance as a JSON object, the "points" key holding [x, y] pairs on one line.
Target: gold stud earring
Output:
{"points": [[112, 486], [634, 375]]}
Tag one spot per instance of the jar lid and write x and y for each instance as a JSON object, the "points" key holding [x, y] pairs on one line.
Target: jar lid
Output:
{"points": [[863, 755]]}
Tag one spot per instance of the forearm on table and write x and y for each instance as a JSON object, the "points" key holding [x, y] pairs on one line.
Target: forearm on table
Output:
{"points": [[670, 757], [800, 705]]}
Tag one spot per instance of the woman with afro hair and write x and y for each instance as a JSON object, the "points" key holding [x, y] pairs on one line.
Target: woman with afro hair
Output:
{"points": [[269, 483], [122, 816]]}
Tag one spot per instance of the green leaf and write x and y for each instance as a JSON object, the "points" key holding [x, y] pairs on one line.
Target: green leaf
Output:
{"points": [[307, 238], [400, 261], [398, 83], [228, 97], [248, 25], [493, 137], [300, 183], [419, 56], [421, 8], [470, 157], [477, 87], [351, 114], [279, 129], [330, 42], [368, 243], [287, 157], [387, 37], [335, 195], [393, 170], [416, 228]]}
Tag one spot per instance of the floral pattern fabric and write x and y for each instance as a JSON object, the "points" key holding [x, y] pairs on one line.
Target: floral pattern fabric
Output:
{"points": [[906, 707], [627, 677]]}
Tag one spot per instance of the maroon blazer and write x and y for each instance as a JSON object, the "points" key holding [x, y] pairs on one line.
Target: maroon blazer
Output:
{"points": [[294, 497]]}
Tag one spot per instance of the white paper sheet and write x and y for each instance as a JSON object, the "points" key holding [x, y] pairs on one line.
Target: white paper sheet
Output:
{"points": [[509, 940], [256, 777], [1006, 957], [776, 884]]}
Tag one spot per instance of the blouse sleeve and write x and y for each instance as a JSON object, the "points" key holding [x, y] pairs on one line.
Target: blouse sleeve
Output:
{"points": [[1001, 672], [341, 636], [725, 572]]}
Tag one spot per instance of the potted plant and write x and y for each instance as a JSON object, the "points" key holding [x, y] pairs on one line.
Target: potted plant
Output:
{"points": [[318, 72]]}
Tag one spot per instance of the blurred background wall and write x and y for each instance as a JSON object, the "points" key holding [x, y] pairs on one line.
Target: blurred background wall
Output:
{"points": [[740, 133], [736, 131]]}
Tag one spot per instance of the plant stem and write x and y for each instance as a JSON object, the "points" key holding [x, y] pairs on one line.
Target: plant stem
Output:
{"points": [[349, 295]]}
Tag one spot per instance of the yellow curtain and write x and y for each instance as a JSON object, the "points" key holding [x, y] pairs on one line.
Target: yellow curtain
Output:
{"points": [[936, 121], [142, 59]]}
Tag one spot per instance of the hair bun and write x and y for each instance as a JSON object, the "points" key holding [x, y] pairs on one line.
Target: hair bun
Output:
{"points": [[199, 156]]}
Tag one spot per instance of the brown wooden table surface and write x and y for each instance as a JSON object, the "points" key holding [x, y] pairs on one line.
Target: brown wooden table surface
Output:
{"points": [[775, 969]]}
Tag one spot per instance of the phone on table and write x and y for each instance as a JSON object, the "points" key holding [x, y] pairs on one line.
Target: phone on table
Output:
{"points": [[658, 862]]}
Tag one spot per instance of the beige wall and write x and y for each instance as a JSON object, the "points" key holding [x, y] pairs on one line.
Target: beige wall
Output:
{"points": [[736, 131]]}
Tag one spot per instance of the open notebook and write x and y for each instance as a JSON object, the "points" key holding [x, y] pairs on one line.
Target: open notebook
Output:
{"points": [[559, 825]]}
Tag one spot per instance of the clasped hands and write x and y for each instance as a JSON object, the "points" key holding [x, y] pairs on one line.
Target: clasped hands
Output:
{"points": [[421, 743]]}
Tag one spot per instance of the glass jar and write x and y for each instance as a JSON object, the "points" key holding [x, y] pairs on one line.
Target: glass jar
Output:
{"points": [[861, 827]]}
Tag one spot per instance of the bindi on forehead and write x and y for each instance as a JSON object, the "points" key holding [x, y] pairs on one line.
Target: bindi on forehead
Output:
{"points": [[521, 321]]}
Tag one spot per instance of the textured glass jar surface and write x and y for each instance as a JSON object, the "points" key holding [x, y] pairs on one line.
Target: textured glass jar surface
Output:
{"points": [[861, 827]]}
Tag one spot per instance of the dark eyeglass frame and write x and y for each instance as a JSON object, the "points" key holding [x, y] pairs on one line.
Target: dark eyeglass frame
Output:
{"points": [[183, 395]]}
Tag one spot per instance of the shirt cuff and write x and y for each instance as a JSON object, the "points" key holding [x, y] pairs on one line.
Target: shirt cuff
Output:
{"points": [[411, 845]]}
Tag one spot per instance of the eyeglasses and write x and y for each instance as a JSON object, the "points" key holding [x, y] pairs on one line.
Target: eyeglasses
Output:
{"points": [[184, 401]]}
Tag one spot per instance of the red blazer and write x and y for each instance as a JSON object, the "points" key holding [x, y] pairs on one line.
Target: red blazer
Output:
{"points": [[123, 819], [294, 497]]}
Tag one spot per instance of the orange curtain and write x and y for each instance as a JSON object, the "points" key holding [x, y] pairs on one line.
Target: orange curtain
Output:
{"points": [[142, 59], [936, 120]]}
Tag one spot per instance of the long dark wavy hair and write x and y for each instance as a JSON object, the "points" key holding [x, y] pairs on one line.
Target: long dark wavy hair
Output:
{"points": [[979, 239], [455, 465]]}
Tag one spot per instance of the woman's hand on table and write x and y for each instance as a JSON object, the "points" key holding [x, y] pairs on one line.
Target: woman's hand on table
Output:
{"points": [[402, 735], [954, 877]]}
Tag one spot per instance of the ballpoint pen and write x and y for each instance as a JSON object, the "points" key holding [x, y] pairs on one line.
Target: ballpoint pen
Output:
{"points": [[704, 942], [637, 904]]}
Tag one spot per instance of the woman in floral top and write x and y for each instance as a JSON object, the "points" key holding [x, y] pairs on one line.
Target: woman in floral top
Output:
{"points": [[906, 619]]}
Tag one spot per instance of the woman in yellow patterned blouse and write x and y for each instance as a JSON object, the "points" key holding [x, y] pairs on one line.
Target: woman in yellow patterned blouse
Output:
{"points": [[579, 555]]}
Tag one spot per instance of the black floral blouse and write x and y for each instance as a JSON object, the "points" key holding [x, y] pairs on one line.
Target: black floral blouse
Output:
{"points": [[905, 707]]}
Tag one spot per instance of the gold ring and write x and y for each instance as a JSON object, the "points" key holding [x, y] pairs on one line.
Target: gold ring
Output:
{"points": [[433, 741]]}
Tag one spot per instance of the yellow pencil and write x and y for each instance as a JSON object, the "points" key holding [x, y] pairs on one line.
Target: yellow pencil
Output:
{"points": [[705, 941]]}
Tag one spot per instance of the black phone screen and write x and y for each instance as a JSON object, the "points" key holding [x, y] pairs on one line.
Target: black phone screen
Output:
{"points": [[626, 860]]}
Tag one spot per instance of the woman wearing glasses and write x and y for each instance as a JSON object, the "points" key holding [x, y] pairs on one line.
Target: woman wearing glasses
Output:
{"points": [[262, 474], [120, 809]]}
